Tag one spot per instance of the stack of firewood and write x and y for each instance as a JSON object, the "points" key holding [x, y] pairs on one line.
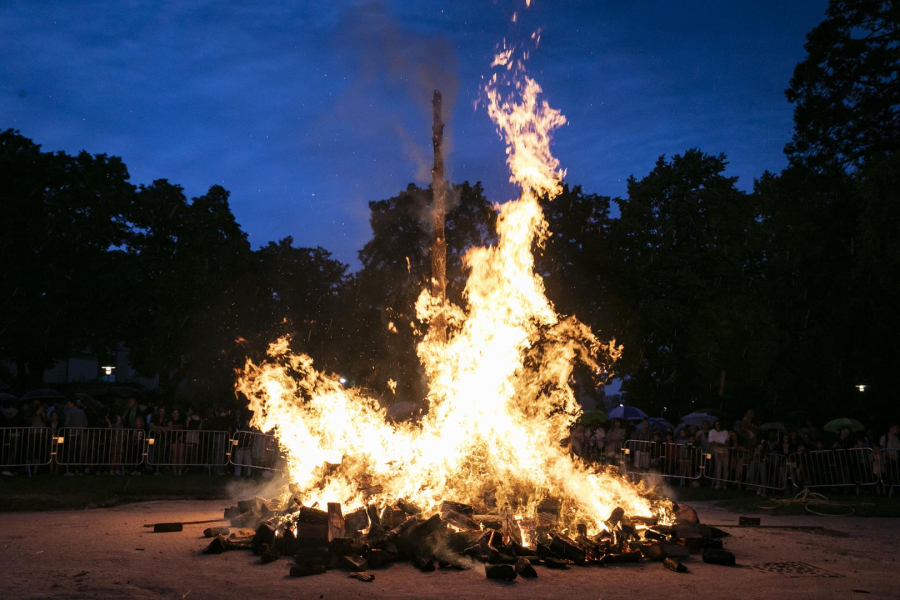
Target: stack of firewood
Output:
{"points": [[456, 537]]}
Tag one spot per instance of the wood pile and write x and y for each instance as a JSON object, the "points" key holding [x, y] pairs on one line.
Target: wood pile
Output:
{"points": [[370, 538]]}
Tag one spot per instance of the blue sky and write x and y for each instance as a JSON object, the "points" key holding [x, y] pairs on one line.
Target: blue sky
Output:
{"points": [[307, 110]]}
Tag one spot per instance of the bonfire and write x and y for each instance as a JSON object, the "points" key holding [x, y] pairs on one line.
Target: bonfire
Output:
{"points": [[484, 474]]}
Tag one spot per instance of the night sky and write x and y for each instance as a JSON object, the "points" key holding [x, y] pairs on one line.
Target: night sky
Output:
{"points": [[307, 110]]}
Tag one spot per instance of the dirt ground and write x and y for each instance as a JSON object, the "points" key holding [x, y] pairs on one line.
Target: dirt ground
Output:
{"points": [[105, 553]]}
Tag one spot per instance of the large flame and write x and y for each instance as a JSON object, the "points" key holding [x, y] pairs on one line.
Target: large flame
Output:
{"points": [[499, 401]]}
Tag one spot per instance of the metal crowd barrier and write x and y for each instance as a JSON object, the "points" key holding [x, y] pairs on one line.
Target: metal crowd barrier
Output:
{"points": [[833, 468], [96, 446], [254, 450], [666, 459], [188, 448], [25, 446], [768, 471], [890, 468]]}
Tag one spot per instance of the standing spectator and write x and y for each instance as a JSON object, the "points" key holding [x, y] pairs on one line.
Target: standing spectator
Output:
{"points": [[76, 420], [192, 438], [598, 440], [718, 443], [844, 441], [642, 448], [157, 425], [159, 419], [131, 411], [11, 417], [137, 444], [614, 439], [702, 437], [890, 441], [54, 424], [176, 426], [116, 445], [877, 464], [576, 440]]}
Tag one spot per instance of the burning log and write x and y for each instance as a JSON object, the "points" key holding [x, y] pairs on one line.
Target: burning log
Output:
{"points": [[335, 521], [391, 516], [489, 521], [460, 520], [363, 576], [457, 507], [356, 521], [308, 514], [427, 527], [659, 532], [520, 550], [408, 507], [566, 548], [615, 517], [374, 517], [460, 540], [621, 557]]}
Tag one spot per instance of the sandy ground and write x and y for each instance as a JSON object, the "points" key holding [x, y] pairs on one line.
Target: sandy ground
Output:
{"points": [[105, 553]]}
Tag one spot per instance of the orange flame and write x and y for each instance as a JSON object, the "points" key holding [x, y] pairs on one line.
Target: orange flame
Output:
{"points": [[499, 396]]}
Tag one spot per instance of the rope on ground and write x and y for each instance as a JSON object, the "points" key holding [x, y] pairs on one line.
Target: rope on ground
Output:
{"points": [[817, 504]]}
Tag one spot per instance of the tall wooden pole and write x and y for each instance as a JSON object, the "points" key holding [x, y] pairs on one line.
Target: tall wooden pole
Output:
{"points": [[438, 213]]}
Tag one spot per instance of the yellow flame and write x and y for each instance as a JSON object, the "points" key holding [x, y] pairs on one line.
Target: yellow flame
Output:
{"points": [[499, 399]]}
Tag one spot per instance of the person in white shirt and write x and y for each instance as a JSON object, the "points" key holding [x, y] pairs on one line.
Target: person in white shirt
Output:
{"points": [[718, 438]]}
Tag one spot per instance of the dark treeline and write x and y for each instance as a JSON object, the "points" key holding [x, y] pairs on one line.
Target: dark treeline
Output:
{"points": [[782, 298]]}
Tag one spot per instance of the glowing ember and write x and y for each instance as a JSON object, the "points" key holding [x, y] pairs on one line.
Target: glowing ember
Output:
{"points": [[499, 396]]}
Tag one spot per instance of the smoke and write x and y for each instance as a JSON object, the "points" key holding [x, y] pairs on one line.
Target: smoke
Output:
{"points": [[394, 59]]}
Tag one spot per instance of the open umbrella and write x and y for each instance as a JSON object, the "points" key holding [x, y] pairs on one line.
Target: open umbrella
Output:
{"points": [[696, 418], [838, 424], [4, 397], [627, 413], [661, 424], [3, 386], [43, 394]]}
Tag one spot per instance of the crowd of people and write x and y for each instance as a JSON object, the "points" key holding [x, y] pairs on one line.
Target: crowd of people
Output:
{"points": [[115, 441], [95, 432], [744, 454]]}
